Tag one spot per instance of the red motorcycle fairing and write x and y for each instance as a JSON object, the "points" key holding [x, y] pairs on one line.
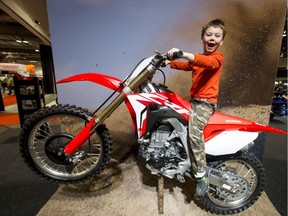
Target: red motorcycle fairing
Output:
{"points": [[138, 106], [220, 122], [102, 79]]}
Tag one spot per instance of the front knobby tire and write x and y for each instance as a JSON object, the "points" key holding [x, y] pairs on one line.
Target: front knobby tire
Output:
{"points": [[245, 164], [44, 136]]}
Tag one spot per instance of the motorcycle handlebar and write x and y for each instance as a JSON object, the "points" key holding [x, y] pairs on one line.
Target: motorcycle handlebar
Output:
{"points": [[177, 55]]}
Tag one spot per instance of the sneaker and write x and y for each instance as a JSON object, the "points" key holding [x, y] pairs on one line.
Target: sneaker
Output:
{"points": [[202, 185]]}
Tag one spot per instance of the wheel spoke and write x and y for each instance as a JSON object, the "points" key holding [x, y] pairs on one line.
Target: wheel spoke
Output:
{"points": [[249, 171], [242, 167]]}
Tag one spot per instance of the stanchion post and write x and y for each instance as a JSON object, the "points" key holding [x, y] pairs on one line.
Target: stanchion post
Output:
{"points": [[160, 195]]}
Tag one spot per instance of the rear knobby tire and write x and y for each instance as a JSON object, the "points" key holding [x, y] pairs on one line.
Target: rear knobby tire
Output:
{"points": [[244, 164], [44, 136]]}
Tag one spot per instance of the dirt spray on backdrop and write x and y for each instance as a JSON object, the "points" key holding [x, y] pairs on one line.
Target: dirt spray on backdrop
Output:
{"points": [[251, 48]]}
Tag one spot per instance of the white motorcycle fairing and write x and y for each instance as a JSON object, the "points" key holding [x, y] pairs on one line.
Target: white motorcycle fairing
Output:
{"points": [[229, 142]]}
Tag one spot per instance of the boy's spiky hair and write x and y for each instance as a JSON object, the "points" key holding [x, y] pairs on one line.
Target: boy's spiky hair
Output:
{"points": [[215, 23]]}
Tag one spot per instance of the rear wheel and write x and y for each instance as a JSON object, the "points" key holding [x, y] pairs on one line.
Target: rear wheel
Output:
{"points": [[44, 136], [249, 185]]}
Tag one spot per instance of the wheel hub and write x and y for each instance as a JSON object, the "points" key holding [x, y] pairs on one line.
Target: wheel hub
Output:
{"points": [[54, 148], [239, 186]]}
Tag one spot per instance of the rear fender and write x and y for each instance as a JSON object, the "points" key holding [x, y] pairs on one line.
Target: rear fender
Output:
{"points": [[102, 79], [255, 127], [222, 122]]}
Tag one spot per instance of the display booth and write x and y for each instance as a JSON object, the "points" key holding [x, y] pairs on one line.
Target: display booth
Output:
{"points": [[12, 69], [29, 94], [2, 108]]}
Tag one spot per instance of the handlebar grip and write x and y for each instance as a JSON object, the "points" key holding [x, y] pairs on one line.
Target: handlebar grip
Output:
{"points": [[177, 55]]}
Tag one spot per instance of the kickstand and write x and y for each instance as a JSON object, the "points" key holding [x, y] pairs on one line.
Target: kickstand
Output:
{"points": [[160, 195]]}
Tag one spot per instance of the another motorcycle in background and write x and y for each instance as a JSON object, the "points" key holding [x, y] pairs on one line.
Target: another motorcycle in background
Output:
{"points": [[279, 102]]}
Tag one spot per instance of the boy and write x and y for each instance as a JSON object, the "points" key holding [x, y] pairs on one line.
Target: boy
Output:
{"points": [[206, 69]]}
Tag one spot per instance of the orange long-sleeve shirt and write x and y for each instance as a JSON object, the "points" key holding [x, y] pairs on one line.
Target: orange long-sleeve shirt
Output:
{"points": [[206, 70]]}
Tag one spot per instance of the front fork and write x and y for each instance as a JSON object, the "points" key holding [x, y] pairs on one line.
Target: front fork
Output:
{"points": [[90, 127], [80, 138], [93, 123]]}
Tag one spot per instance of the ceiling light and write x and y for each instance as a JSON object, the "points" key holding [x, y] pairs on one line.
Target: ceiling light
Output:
{"points": [[22, 41], [36, 50]]}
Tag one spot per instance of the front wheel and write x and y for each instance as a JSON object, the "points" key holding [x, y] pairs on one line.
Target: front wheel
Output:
{"points": [[248, 167], [44, 136]]}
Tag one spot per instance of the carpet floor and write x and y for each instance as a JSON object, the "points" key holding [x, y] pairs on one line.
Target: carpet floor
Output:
{"points": [[9, 118], [9, 99]]}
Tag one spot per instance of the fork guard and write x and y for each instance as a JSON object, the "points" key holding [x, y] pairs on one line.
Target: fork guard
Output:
{"points": [[79, 139]]}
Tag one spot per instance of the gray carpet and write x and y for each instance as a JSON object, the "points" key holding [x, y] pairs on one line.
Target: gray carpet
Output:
{"points": [[21, 191]]}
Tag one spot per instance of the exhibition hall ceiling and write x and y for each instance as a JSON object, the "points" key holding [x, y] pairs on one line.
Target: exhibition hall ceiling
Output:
{"points": [[17, 44]]}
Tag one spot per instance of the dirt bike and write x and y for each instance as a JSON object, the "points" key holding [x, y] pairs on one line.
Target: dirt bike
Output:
{"points": [[68, 144]]}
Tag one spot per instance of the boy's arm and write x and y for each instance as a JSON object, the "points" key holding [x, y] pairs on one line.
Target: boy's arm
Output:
{"points": [[213, 61], [186, 66]]}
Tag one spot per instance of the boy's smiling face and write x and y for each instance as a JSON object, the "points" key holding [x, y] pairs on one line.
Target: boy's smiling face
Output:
{"points": [[212, 39]]}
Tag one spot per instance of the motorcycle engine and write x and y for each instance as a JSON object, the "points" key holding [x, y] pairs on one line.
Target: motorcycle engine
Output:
{"points": [[163, 151]]}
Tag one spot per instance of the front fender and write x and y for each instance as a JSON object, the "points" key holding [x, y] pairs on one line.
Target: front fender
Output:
{"points": [[102, 79]]}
